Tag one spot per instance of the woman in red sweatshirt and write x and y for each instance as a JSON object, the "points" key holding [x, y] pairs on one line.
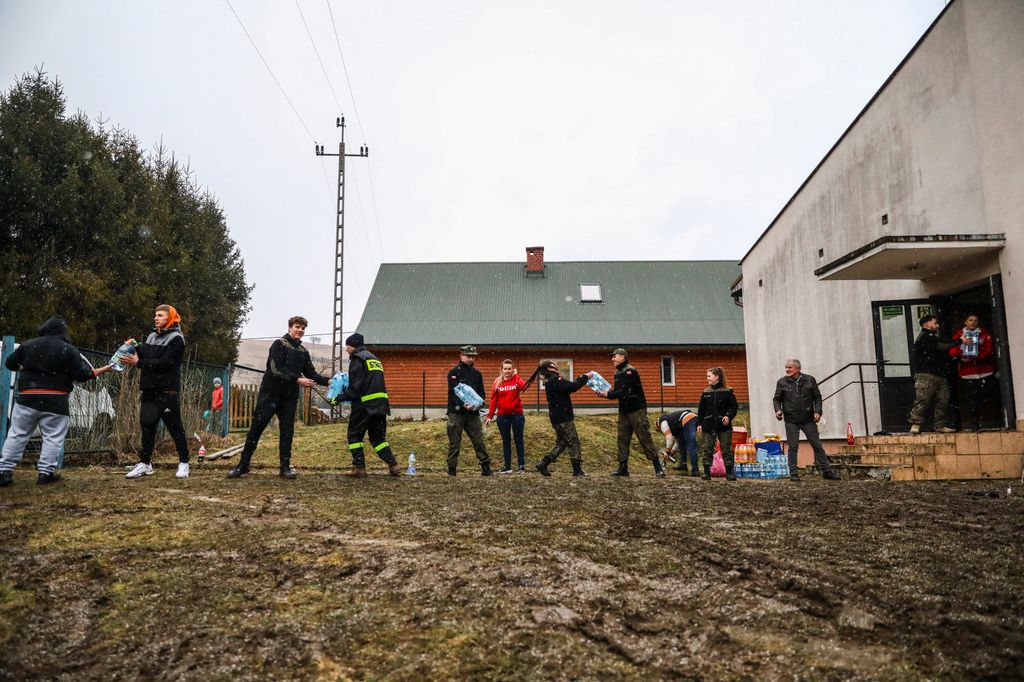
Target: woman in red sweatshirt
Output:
{"points": [[506, 402]]}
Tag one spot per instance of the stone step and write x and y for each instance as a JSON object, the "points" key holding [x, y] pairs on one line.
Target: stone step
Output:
{"points": [[893, 449]]}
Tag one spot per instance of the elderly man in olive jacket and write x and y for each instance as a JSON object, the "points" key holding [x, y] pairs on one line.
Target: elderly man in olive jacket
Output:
{"points": [[798, 401]]}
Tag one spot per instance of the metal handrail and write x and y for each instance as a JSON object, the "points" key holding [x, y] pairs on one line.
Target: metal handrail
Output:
{"points": [[860, 380]]}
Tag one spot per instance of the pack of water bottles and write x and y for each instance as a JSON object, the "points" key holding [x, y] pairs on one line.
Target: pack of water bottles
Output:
{"points": [[338, 385], [769, 463], [127, 348], [468, 396], [598, 383]]}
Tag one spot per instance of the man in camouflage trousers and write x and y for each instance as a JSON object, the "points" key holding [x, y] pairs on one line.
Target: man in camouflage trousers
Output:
{"points": [[632, 413]]}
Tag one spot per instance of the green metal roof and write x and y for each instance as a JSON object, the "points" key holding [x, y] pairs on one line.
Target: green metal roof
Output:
{"points": [[663, 303]]}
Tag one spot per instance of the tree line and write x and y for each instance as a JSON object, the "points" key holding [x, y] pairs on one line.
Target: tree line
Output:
{"points": [[94, 228]]}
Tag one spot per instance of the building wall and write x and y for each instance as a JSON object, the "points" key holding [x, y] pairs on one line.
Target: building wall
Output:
{"points": [[940, 152], [405, 367]]}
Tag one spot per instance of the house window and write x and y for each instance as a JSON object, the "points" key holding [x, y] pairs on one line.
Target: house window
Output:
{"points": [[590, 293], [668, 370], [564, 368]]}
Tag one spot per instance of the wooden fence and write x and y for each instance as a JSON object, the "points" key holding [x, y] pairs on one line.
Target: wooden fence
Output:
{"points": [[243, 402]]}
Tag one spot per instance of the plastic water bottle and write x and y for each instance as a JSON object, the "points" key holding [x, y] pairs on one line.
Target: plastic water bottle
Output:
{"points": [[127, 348], [598, 383], [411, 471], [468, 396], [202, 453], [338, 385]]}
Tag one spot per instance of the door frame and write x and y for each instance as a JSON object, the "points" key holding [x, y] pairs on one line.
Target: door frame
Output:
{"points": [[885, 382]]}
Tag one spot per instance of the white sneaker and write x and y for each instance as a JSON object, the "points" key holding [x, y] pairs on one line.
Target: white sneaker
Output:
{"points": [[141, 469], [915, 429], [182, 470]]}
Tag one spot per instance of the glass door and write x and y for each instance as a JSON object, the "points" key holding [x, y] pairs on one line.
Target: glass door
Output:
{"points": [[896, 325]]}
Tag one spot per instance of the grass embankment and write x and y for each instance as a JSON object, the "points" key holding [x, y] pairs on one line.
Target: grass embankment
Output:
{"points": [[326, 446]]}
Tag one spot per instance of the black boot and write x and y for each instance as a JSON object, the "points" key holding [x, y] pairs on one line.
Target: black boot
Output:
{"points": [[707, 472], [6, 478], [451, 471], [287, 471], [542, 466], [52, 477], [659, 470], [485, 469], [577, 468], [729, 475], [831, 476], [623, 469], [680, 466]]}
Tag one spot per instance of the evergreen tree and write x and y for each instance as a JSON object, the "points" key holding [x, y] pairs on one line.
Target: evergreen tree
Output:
{"points": [[96, 230]]}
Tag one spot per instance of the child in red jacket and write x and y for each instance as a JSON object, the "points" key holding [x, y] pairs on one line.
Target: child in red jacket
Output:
{"points": [[506, 402]]}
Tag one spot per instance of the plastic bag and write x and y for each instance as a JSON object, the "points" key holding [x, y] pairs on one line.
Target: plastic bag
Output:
{"points": [[718, 465], [468, 396]]}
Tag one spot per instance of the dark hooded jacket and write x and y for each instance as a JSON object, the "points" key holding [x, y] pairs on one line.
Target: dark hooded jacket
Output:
{"points": [[288, 360], [47, 367], [160, 360], [559, 394]]}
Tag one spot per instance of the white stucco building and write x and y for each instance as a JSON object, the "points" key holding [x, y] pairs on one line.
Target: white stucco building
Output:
{"points": [[919, 207]]}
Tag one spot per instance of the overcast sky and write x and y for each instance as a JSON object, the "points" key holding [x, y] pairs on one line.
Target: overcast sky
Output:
{"points": [[600, 130]]}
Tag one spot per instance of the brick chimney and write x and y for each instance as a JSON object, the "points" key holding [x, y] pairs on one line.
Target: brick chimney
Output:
{"points": [[534, 261]]}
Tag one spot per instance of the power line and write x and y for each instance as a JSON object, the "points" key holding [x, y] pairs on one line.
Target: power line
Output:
{"points": [[359, 122], [271, 72], [317, 53]]}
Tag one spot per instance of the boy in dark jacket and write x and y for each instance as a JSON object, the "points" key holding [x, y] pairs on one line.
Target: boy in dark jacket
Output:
{"points": [[629, 391], [370, 407], [717, 409], [288, 367], [159, 360], [559, 394], [47, 367]]}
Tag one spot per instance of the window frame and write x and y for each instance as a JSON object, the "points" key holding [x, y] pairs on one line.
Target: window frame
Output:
{"points": [[672, 365], [591, 301]]}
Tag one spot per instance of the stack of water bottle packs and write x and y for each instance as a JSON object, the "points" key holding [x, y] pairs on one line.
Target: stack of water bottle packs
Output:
{"points": [[761, 459]]}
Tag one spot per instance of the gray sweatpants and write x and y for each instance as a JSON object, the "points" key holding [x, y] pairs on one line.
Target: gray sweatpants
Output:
{"points": [[24, 420]]}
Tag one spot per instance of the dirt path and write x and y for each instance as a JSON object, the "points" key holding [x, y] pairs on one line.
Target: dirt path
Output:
{"points": [[508, 578]]}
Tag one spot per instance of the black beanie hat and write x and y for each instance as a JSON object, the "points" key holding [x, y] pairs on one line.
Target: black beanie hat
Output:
{"points": [[356, 340]]}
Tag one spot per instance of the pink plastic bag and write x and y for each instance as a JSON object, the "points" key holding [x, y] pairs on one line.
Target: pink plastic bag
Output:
{"points": [[718, 465]]}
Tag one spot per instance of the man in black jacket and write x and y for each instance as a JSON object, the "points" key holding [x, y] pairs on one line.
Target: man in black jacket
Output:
{"points": [[159, 360], [931, 368], [798, 401], [629, 391], [462, 416], [559, 394], [288, 367], [370, 407], [47, 368]]}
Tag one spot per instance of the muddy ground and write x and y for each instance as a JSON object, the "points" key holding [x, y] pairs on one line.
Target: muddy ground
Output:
{"points": [[512, 577]]}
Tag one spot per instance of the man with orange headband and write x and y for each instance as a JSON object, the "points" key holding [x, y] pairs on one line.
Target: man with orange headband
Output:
{"points": [[159, 359]]}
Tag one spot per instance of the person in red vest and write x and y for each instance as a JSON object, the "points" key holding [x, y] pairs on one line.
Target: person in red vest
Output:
{"points": [[506, 402], [975, 363]]}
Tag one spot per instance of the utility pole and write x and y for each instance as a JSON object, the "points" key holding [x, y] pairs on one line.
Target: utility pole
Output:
{"points": [[339, 248]]}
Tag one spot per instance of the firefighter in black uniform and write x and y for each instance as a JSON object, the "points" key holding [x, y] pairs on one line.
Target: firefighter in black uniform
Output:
{"points": [[461, 417], [632, 413], [370, 407]]}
